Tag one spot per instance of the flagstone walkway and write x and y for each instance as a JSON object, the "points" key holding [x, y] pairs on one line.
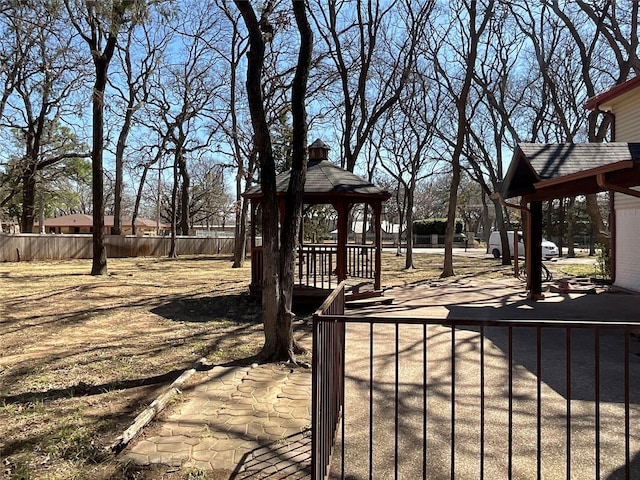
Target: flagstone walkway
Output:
{"points": [[252, 422]]}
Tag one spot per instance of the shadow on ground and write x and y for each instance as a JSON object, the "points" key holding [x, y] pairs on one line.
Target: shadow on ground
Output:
{"points": [[82, 389], [288, 458], [235, 308]]}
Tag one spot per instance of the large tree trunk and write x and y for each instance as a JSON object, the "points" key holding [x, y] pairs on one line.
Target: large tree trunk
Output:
{"points": [[28, 198], [486, 222], [601, 232], [277, 281], [502, 228], [408, 263], [285, 344], [120, 147], [184, 201], [264, 149], [447, 270], [240, 244], [99, 266]]}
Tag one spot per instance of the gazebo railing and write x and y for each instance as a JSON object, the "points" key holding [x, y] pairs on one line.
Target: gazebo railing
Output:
{"points": [[317, 264], [361, 261]]}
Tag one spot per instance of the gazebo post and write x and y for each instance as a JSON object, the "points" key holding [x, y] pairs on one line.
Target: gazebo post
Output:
{"points": [[343, 231], [256, 259], [377, 213], [534, 249], [254, 206]]}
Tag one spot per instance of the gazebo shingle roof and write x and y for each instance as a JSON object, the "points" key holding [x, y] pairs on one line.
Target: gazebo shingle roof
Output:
{"points": [[324, 179]]}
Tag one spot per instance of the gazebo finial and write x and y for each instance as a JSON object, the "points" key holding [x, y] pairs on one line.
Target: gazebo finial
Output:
{"points": [[318, 150]]}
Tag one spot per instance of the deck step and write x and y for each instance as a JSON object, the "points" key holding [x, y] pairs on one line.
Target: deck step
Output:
{"points": [[368, 302]]}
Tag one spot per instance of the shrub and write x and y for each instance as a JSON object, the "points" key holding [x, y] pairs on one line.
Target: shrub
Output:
{"points": [[434, 226]]}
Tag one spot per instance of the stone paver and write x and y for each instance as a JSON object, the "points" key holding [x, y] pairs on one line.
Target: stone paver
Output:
{"points": [[253, 422]]}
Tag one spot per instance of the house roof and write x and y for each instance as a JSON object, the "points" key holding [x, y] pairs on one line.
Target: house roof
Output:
{"points": [[542, 171], [325, 180], [74, 220], [612, 93], [83, 220]]}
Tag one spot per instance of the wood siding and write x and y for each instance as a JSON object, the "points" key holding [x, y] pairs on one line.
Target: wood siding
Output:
{"points": [[627, 208], [623, 201], [27, 247], [627, 241], [627, 111]]}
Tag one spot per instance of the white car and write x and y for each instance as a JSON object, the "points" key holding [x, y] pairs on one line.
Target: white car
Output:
{"points": [[549, 249]]}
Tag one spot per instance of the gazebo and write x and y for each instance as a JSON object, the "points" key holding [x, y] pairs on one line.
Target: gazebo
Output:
{"points": [[321, 266]]}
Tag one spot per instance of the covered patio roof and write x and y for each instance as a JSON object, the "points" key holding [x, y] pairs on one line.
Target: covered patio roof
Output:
{"points": [[544, 171]]}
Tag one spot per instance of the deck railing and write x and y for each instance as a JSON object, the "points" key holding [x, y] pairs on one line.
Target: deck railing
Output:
{"points": [[455, 398], [327, 382]]}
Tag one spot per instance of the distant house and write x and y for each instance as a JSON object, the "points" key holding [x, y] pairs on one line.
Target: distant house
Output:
{"points": [[83, 224], [214, 231], [389, 231], [9, 227]]}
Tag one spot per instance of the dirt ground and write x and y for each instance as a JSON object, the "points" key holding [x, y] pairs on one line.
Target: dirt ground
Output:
{"points": [[81, 356]]}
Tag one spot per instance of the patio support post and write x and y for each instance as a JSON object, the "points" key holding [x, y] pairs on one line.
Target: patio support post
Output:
{"points": [[534, 250], [343, 231], [377, 213]]}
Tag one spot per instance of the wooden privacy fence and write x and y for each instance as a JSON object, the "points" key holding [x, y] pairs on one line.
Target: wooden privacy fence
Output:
{"points": [[26, 247]]}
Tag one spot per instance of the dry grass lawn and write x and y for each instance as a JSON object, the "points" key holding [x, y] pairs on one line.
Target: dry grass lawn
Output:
{"points": [[81, 356]]}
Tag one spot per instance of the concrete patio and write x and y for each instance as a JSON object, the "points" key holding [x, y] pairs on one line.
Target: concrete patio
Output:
{"points": [[243, 422]]}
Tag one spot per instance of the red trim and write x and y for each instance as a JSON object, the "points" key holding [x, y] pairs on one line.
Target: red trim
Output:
{"points": [[612, 93]]}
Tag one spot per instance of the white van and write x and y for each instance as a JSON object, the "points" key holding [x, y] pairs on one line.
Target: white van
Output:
{"points": [[549, 249]]}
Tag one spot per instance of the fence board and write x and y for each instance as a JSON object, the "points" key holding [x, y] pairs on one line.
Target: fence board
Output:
{"points": [[27, 247]]}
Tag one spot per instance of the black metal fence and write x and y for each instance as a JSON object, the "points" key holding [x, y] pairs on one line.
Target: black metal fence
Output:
{"points": [[445, 398]]}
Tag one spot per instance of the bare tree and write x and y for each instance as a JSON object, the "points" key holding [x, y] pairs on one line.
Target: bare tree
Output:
{"points": [[40, 93], [501, 105], [258, 29], [597, 40], [408, 143], [372, 60], [99, 25], [461, 42], [138, 59], [210, 204], [618, 25], [280, 344], [182, 107], [242, 152]]}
